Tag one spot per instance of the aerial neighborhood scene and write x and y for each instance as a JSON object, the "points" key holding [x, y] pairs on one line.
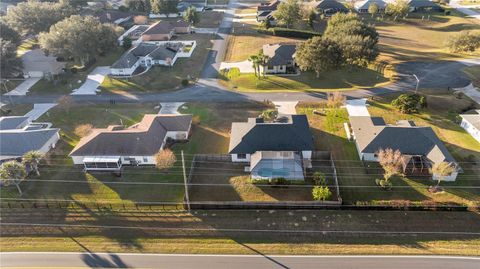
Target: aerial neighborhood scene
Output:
{"points": [[233, 133]]}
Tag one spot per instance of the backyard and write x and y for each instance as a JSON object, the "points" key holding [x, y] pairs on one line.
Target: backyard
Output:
{"points": [[357, 182]]}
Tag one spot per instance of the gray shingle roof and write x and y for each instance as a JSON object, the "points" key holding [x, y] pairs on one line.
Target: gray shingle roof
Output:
{"points": [[127, 60], [12, 122], [163, 53], [157, 52], [252, 136], [409, 140], [142, 139], [328, 4], [280, 54], [17, 142]]}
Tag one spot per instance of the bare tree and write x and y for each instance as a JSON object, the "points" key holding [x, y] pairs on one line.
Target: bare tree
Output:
{"points": [[83, 130], [440, 171], [165, 159], [391, 162], [65, 103], [335, 100]]}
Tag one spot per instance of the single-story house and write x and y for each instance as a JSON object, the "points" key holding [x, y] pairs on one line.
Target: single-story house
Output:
{"points": [[38, 65], [18, 135], [145, 55], [273, 149], [264, 10], [282, 58], [113, 16], [362, 6], [471, 123], [424, 5], [420, 146], [110, 148], [134, 33], [184, 5], [327, 7], [164, 30]]}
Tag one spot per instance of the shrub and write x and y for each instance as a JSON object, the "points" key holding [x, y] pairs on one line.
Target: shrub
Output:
{"points": [[319, 179], [285, 32], [165, 159], [185, 82], [83, 130], [279, 181], [464, 41], [409, 103], [321, 193], [269, 114]]}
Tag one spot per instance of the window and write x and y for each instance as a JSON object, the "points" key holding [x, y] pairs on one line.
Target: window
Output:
{"points": [[241, 156], [145, 159]]}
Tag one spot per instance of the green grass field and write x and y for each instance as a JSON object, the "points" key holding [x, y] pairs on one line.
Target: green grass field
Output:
{"points": [[358, 78]]}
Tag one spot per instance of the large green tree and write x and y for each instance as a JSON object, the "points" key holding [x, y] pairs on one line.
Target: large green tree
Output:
{"points": [[79, 38], [357, 39], [33, 17], [318, 54], [288, 12], [398, 8], [164, 6], [10, 64], [139, 5], [8, 33]]}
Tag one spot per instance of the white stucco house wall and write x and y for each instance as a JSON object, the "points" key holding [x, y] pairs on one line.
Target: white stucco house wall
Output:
{"points": [[471, 124]]}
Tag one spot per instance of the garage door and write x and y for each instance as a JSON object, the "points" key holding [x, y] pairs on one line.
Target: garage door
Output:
{"points": [[35, 74]]}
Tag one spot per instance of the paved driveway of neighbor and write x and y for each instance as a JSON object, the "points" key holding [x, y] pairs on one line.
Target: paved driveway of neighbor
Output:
{"points": [[471, 91], [245, 66], [94, 79], [170, 107], [465, 9], [286, 108], [23, 88], [38, 110], [357, 107]]}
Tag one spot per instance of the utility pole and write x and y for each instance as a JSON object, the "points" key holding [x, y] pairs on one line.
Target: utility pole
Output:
{"points": [[187, 198]]}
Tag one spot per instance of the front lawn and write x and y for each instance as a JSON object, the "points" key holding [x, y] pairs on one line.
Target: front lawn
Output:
{"points": [[357, 180], [165, 78], [358, 78], [210, 19], [474, 73], [66, 83]]}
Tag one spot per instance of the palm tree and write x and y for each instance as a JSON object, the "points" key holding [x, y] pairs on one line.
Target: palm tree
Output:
{"points": [[32, 159], [263, 59], [441, 170], [255, 61], [13, 172]]}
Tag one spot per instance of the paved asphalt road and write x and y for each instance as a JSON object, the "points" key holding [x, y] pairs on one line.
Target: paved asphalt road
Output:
{"points": [[113, 260]]}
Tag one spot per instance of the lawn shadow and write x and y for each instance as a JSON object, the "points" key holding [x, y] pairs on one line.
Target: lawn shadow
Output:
{"points": [[109, 260]]}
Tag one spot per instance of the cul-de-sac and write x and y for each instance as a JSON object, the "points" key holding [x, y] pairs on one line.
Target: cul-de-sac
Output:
{"points": [[228, 127]]}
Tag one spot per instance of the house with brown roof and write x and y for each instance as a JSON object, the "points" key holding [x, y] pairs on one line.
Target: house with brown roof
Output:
{"points": [[165, 30], [108, 149]]}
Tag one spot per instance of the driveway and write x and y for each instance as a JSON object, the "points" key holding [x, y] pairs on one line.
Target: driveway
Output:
{"points": [[23, 88], [357, 107], [170, 107], [244, 66], [94, 79], [465, 9], [286, 108], [38, 110], [471, 91]]}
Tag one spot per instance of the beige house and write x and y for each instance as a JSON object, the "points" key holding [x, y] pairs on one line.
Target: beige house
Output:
{"points": [[165, 30], [38, 65], [281, 58]]}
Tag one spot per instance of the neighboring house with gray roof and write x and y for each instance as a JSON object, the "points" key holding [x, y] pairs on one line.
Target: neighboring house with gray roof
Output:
{"points": [[144, 55], [274, 149], [38, 65], [420, 146], [113, 16], [281, 58], [165, 30], [471, 123], [112, 147], [327, 7], [18, 135]]}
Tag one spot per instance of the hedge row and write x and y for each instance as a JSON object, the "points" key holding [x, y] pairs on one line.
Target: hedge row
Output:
{"points": [[285, 32]]}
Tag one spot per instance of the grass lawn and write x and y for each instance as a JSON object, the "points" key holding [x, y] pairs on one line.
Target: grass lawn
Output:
{"points": [[210, 19], [96, 187], [213, 235], [246, 10], [9, 84], [474, 73], [15, 110], [66, 83], [165, 78], [307, 81], [330, 135], [470, 2], [417, 39]]}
